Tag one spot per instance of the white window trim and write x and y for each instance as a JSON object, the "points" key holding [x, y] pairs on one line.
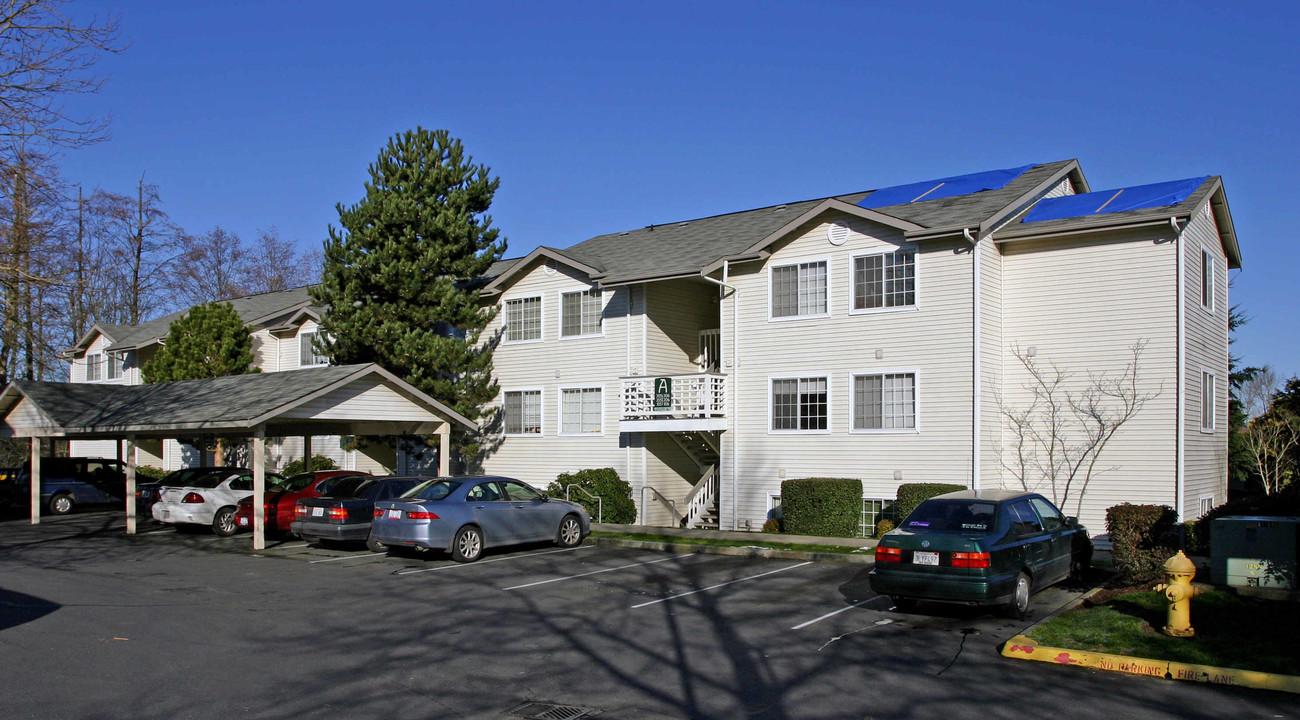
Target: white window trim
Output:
{"points": [[1214, 398], [559, 417], [916, 282], [603, 302], [1200, 504], [91, 362], [541, 411], [1206, 255], [301, 333], [830, 299], [916, 402], [108, 365], [830, 400], [541, 326]]}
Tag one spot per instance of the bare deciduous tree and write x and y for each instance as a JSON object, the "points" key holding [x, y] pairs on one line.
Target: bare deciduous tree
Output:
{"points": [[1272, 433], [211, 267], [1058, 438], [274, 264], [142, 244]]}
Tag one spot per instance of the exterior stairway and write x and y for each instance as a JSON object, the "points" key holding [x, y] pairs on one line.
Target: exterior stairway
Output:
{"points": [[702, 501]]}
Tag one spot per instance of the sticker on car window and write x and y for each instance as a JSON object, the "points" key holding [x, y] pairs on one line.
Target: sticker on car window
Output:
{"points": [[919, 523], [974, 526]]}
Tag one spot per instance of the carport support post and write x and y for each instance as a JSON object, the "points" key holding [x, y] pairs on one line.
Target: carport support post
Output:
{"points": [[306, 453], [130, 483], [259, 488], [34, 481], [444, 450]]}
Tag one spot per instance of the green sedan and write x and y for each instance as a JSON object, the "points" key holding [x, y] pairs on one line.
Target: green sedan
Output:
{"points": [[980, 547]]}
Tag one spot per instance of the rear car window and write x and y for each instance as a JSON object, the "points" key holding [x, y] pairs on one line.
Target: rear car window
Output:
{"points": [[970, 516], [349, 486], [431, 490]]}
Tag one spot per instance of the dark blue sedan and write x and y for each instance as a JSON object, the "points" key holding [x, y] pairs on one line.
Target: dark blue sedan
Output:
{"points": [[344, 512], [465, 515]]}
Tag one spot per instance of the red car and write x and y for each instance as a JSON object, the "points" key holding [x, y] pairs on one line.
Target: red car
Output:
{"points": [[279, 503]]}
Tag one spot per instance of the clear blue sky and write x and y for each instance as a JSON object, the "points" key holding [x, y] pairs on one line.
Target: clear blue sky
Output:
{"points": [[606, 116]]}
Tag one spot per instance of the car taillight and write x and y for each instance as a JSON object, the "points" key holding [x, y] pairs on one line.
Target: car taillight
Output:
{"points": [[268, 507], [421, 515], [192, 497], [300, 510], [337, 514], [889, 554], [970, 559], [379, 511]]}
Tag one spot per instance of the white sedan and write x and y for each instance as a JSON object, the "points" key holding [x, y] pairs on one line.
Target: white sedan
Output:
{"points": [[208, 499]]}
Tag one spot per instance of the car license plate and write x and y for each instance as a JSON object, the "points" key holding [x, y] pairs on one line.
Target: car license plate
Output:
{"points": [[395, 514], [925, 558], [317, 511]]}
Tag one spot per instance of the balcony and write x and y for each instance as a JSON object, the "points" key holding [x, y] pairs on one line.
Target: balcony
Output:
{"points": [[684, 403]]}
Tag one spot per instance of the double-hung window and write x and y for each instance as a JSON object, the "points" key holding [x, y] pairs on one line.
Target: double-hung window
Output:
{"points": [[307, 353], [1208, 399], [115, 364], [799, 290], [887, 280], [94, 367], [800, 404], [580, 313], [1207, 280], [523, 319], [523, 412], [580, 411], [884, 401]]}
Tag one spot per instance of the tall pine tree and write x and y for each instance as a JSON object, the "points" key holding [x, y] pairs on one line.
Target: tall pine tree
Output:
{"points": [[394, 277], [206, 342]]}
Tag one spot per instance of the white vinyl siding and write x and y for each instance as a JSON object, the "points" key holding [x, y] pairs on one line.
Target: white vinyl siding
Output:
{"points": [[1206, 343], [885, 280], [523, 412], [1208, 404], [884, 402], [580, 313], [581, 411], [799, 290], [800, 404], [523, 319], [307, 354]]}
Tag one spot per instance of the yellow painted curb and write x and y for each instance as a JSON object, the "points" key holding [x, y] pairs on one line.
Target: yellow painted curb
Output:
{"points": [[1021, 647]]}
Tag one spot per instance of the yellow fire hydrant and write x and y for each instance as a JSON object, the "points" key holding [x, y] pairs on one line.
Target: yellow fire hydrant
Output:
{"points": [[1179, 590]]}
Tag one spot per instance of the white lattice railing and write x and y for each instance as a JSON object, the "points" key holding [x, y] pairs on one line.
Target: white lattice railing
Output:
{"points": [[700, 500], [698, 395]]}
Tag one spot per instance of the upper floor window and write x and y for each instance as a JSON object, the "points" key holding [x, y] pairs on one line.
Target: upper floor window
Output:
{"points": [[94, 367], [1208, 399], [523, 319], [307, 353], [1207, 280], [886, 401], [799, 290], [116, 363], [884, 281], [523, 412], [580, 313], [580, 411], [800, 403]]}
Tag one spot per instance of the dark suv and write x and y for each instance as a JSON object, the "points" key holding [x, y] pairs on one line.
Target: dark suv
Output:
{"points": [[67, 482]]}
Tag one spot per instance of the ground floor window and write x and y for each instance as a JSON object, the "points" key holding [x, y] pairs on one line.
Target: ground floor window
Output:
{"points": [[873, 511], [580, 411], [523, 412]]}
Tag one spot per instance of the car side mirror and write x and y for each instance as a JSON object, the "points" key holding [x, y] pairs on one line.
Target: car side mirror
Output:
{"points": [[1071, 520], [546, 498]]}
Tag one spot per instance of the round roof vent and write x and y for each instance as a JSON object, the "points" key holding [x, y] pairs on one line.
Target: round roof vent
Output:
{"points": [[837, 233]]}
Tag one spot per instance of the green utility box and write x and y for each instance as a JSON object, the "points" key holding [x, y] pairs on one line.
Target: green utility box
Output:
{"points": [[1254, 551]]}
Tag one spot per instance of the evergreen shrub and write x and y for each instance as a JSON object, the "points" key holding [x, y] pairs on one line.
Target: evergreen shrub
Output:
{"points": [[318, 462], [618, 506], [829, 507], [912, 494], [1142, 538]]}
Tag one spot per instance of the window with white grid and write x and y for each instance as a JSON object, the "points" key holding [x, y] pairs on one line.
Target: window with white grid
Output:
{"points": [[94, 367], [307, 353], [1207, 401], [799, 290], [580, 411], [115, 365], [885, 401], [580, 313], [523, 319], [523, 412], [884, 281], [800, 404]]}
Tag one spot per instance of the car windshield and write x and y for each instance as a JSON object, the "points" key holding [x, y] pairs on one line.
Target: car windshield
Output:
{"points": [[969, 516], [298, 482], [351, 486], [431, 490]]}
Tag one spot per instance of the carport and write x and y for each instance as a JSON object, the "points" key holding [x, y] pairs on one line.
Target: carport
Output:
{"points": [[363, 400]]}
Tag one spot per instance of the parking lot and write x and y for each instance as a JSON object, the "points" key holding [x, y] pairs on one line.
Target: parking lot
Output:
{"points": [[98, 624]]}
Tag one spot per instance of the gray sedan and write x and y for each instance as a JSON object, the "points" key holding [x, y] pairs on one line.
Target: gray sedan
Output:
{"points": [[464, 515]]}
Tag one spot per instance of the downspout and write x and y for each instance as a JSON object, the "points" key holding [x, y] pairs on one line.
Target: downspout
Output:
{"points": [[977, 392], [1182, 371], [735, 373]]}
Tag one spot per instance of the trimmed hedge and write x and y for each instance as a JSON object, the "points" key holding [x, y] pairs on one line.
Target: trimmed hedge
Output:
{"points": [[149, 471], [1142, 538], [829, 507], [912, 494], [618, 506], [318, 462]]}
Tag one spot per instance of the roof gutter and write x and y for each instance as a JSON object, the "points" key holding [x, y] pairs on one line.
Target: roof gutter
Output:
{"points": [[1180, 440], [1088, 230]]}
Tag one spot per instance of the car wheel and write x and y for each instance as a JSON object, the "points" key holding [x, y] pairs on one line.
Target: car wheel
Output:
{"points": [[1079, 567], [374, 544], [1018, 605], [223, 523], [903, 604], [570, 532], [468, 545], [61, 504]]}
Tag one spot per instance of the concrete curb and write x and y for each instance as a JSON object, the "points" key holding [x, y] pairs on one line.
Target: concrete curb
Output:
{"points": [[755, 552], [1021, 647]]}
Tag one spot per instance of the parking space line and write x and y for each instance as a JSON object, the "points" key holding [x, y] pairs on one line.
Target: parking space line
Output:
{"points": [[597, 572], [159, 532], [347, 557], [290, 547], [800, 626], [484, 562], [729, 582]]}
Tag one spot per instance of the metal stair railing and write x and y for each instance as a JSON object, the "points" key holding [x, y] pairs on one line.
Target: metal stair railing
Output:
{"points": [[600, 501], [665, 501]]}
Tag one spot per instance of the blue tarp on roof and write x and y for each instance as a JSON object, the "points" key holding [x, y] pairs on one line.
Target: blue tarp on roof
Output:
{"points": [[1104, 202], [943, 187]]}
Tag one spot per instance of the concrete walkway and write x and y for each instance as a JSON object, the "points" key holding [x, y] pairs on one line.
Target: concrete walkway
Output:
{"points": [[657, 543]]}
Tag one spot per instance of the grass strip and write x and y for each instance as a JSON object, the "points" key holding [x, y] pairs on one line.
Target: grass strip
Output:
{"points": [[1231, 631], [718, 542]]}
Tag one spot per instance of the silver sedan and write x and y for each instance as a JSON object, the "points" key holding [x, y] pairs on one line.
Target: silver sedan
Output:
{"points": [[465, 515]]}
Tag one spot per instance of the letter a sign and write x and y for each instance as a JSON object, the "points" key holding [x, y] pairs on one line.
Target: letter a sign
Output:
{"points": [[663, 393]]}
